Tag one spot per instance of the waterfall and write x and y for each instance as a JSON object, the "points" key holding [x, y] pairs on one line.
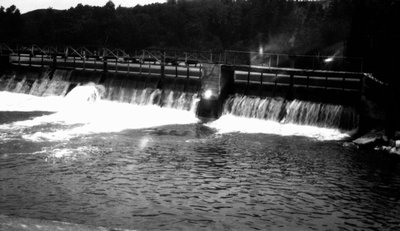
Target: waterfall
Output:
{"points": [[58, 83], [32, 83], [40, 85], [292, 112], [148, 96]]}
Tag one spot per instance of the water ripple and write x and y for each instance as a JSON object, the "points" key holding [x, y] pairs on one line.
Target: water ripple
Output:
{"points": [[224, 182]]}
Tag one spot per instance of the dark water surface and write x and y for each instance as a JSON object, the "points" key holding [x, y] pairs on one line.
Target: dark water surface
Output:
{"points": [[187, 177]]}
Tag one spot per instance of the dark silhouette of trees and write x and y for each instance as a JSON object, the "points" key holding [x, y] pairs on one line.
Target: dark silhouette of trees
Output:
{"points": [[11, 24], [365, 28]]}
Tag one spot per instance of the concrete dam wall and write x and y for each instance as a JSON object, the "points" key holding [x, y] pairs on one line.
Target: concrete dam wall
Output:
{"points": [[309, 97]]}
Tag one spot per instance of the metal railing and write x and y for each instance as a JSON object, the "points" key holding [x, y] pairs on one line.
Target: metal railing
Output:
{"points": [[179, 57], [309, 62]]}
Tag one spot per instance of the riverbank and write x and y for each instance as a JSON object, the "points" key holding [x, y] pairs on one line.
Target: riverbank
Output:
{"points": [[377, 140]]}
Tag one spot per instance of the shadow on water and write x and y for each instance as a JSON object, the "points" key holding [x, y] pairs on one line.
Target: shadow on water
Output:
{"points": [[197, 130]]}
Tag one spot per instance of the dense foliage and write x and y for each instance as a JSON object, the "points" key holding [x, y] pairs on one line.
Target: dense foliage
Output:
{"points": [[341, 27]]}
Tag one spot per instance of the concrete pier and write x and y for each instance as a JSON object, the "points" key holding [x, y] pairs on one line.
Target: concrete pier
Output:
{"points": [[215, 85]]}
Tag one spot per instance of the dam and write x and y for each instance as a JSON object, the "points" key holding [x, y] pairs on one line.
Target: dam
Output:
{"points": [[101, 143], [209, 87]]}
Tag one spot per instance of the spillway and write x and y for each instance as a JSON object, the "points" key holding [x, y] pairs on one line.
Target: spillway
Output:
{"points": [[123, 89], [292, 111], [175, 93], [318, 98]]}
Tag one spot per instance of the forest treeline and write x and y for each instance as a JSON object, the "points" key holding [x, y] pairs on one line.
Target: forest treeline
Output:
{"points": [[343, 27]]}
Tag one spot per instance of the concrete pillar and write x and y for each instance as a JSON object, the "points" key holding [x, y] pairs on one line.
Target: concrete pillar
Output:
{"points": [[4, 62], [216, 84], [104, 74]]}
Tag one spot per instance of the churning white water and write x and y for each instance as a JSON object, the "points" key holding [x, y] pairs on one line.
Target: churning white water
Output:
{"points": [[287, 118], [84, 109], [94, 108]]}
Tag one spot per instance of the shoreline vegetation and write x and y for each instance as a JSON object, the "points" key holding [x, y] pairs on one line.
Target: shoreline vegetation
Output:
{"points": [[350, 28]]}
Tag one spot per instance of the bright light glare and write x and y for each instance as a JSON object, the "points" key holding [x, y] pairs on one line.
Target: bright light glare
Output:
{"points": [[328, 60], [207, 94]]}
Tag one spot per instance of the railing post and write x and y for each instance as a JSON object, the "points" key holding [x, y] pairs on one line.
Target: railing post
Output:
{"points": [[248, 80], [163, 65], [362, 86], [261, 83], [95, 63], [104, 73], [54, 60], [84, 62], [176, 75], [326, 82], [187, 77], [343, 83], [140, 67], [19, 58], [291, 87], [277, 60], [105, 65], [65, 56]]}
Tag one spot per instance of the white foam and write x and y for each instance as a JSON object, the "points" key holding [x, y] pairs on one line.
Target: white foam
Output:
{"points": [[68, 153], [105, 116], [92, 116], [21, 102], [83, 108], [230, 123]]}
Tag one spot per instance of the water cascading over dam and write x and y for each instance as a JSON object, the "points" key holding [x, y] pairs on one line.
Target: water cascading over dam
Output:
{"points": [[129, 90], [119, 89], [325, 99], [292, 112]]}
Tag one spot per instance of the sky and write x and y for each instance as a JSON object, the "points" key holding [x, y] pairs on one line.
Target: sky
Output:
{"points": [[29, 5]]}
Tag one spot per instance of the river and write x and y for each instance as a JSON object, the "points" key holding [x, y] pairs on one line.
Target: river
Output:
{"points": [[143, 167]]}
